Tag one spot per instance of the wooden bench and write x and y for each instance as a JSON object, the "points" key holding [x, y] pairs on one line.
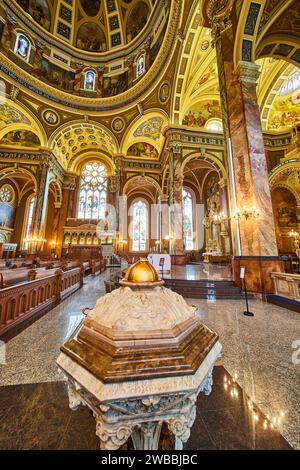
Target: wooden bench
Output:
{"points": [[20, 302]]}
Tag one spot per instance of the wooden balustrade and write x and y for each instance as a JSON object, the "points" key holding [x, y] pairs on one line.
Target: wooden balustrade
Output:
{"points": [[29, 299], [287, 285]]}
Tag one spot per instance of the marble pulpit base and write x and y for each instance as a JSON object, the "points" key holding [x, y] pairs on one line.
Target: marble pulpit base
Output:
{"points": [[138, 409]]}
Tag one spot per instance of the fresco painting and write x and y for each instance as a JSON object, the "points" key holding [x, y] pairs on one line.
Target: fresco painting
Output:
{"points": [[142, 149]]}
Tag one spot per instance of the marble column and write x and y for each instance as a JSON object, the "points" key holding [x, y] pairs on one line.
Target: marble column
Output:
{"points": [[176, 212], [66, 210], [254, 237], [40, 212]]}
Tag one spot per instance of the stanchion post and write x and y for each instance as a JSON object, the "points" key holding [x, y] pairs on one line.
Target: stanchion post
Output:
{"points": [[243, 277]]}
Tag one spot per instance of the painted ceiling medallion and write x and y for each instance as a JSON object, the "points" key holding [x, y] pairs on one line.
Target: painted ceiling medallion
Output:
{"points": [[164, 93], [118, 124], [51, 117]]}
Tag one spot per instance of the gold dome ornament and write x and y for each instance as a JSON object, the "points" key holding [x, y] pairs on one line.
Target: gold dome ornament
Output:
{"points": [[142, 274]]}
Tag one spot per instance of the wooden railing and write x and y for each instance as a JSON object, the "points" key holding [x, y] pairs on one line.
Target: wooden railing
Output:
{"points": [[287, 285], [19, 303]]}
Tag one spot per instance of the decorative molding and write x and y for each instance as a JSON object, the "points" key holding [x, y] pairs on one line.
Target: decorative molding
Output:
{"points": [[248, 72]]}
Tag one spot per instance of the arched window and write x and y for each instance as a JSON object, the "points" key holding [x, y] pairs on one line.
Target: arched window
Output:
{"points": [[29, 220], [188, 220], [23, 47], [89, 80], [214, 125], [140, 65], [93, 191], [139, 226]]}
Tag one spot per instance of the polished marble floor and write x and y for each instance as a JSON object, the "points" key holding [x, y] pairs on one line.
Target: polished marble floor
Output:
{"points": [[225, 420], [201, 271], [257, 352]]}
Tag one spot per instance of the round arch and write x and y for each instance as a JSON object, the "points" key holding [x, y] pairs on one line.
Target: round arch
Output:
{"points": [[33, 124], [80, 160], [208, 157], [147, 178], [148, 128], [289, 188], [12, 171]]}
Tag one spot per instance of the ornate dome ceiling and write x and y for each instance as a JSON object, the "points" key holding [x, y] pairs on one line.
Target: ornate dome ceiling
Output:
{"points": [[91, 25]]}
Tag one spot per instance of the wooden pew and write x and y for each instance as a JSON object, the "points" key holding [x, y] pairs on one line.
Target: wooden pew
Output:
{"points": [[21, 302]]}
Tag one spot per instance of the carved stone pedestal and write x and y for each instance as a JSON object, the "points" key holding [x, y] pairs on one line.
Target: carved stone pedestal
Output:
{"points": [[141, 418], [139, 359]]}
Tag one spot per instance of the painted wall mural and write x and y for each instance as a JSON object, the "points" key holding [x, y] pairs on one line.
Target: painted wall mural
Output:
{"points": [[56, 76], [90, 7], [91, 37], [200, 113], [22, 138], [39, 10], [285, 111], [9, 115], [136, 21], [114, 85], [151, 128], [285, 207], [7, 215], [142, 149]]}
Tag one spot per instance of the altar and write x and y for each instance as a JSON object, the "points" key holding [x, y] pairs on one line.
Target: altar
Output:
{"points": [[161, 262]]}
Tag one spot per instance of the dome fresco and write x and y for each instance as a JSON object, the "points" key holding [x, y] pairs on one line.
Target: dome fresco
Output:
{"points": [[91, 25], [115, 41]]}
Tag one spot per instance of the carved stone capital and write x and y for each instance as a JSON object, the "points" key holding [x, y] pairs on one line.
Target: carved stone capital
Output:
{"points": [[112, 436], [181, 424], [74, 398], [248, 72], [218, 12]]}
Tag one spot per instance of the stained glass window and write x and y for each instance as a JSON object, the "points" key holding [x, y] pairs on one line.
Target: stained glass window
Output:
{"points": [[188, 221], [139, 224], [140, 65], [93, 191], [29, 219], [89, 80], [23, 47]]}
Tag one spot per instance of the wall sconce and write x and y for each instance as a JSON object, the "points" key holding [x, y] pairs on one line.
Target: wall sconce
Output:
{"points": [[246, 212]]}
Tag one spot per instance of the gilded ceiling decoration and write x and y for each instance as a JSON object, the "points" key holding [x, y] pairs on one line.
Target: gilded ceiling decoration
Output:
{"points": [[91, 25], [81, 138]]}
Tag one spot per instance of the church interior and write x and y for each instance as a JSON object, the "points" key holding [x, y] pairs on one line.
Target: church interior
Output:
{"points": [[149, 225]]}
